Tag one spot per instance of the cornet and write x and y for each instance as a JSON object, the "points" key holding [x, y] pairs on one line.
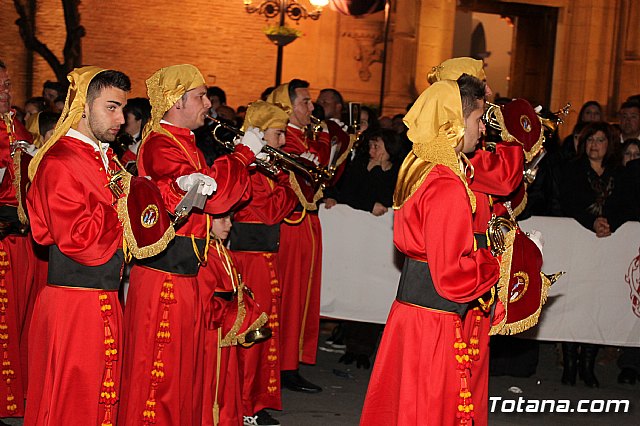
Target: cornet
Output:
{"points": [[276, 160], [551, 124]]}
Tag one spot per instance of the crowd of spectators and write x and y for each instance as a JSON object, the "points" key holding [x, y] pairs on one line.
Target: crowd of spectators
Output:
{"points": [[593, 176]]}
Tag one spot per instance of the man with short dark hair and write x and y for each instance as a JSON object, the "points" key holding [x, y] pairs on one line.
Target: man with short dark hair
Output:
{"points": [[300, 260], [217, 97], [420, 374], [332, 103], [629, 120], [51, 91], [76, 329]]}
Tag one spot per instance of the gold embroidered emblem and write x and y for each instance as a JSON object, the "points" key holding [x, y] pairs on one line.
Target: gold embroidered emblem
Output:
{"points": [[149, 216], [520, 287]]}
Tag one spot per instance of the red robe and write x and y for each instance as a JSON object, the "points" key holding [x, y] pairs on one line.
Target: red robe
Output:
{"points": [[270, 203], [127, 157], [300, 266], [162, 375], [72, 329], [19, 283], [416, 378], [227, 378], [495, 175]]}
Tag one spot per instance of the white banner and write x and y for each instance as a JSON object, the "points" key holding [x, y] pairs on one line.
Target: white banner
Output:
{"points": [[592, 303]]}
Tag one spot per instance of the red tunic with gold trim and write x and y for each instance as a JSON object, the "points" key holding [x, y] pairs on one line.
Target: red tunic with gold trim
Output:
{"points": [[270, 203], [417, 379], [76, 329], [495, 175], [19, 286], [300, 265], [222, 374], [163, 365]]}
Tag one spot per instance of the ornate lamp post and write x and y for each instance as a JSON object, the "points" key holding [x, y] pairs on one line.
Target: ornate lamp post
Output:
{"points": [[279, 35]]}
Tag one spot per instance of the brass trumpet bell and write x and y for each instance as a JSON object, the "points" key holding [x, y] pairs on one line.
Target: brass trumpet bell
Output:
{"points": [[276, 160]]}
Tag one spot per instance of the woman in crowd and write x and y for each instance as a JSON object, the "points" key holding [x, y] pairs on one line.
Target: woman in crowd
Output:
{"points": [[630, 151], [369, 182], [586, 195]]}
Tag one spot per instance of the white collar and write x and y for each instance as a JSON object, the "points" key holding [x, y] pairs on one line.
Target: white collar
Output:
{"points": [[294, 126], [84, 138], [163, 121]]}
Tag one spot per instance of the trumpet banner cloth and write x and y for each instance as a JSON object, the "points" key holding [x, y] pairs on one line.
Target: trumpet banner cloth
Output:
{"points": [[596, 301]]}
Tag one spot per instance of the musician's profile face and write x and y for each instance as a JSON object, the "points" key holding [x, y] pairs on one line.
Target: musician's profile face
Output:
{"points": [[194, 106], [473, 128], [5, 91], [104, 115], [221, 226], [274, 137], [302, 108]]}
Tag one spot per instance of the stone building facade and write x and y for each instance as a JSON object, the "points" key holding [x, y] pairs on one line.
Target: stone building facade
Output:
{"points": [[596, 53]]}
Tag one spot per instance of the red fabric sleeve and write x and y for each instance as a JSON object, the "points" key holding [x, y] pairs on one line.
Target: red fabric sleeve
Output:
{"points": [[498, 173], [168, 161], [441, 213], [270, 202], [73, 214]]}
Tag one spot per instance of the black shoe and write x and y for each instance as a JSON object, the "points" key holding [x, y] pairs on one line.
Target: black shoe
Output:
{"points": [[587, 363], [292, 380], [627, 376], [363, 361], [348, 358], [262, 417]]}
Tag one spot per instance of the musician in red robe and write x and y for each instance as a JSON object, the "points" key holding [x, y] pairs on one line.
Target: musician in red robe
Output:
{"points": [[76, 329], [220, 284], [163, 366], [255, 242], [17, 257], [491, 176], [421, 374], [300, 256]]}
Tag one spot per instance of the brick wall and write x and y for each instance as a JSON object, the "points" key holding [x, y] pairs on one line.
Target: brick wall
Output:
{"points": [[218, 36]]}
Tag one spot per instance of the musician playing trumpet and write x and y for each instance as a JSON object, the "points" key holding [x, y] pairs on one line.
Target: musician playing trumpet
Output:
{"points": [[300, 257], [255, 242], [162, 380]]}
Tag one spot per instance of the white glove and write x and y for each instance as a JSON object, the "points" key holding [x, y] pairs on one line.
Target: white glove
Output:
{"points": [[262, 156], [536, 237], [310, 156], [254, 139], [206, 184]]}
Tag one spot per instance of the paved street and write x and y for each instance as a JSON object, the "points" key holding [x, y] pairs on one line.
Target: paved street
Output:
{"points": [[345, 386]]}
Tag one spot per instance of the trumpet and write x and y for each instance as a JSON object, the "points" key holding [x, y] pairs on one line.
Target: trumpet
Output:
{"points": [[276, 160], [550, 123]]}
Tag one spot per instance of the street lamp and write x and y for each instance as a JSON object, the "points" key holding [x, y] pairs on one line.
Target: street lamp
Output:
{"points": [[291, 9]]}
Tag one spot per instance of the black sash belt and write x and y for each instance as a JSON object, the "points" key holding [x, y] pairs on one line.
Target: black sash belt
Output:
{"points": [[9, 222], [417, 287], [225, 295], [64, 271], [179, 258], [254, 237]]}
